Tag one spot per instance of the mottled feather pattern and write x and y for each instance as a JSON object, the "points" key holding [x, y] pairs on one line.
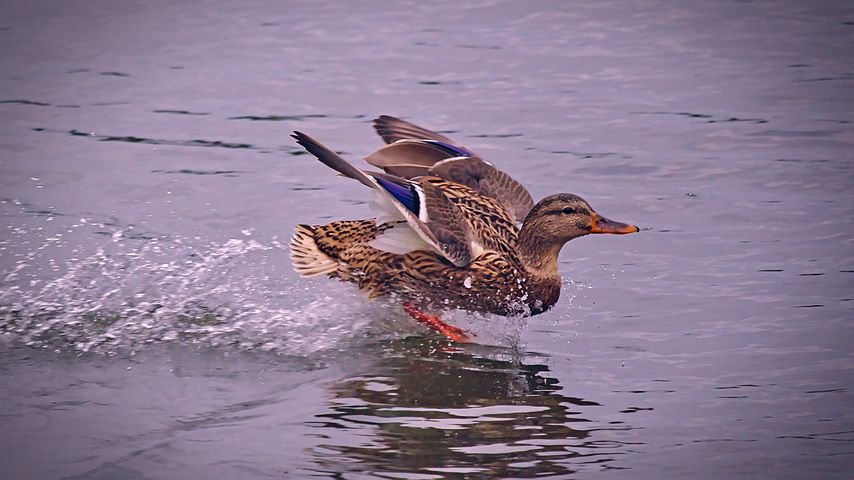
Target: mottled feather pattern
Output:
{"points": [[487, 180], [490, 224], [465, 249], [308, 260], [448, 224], [459, 216], [335, 237], [491, 282]]}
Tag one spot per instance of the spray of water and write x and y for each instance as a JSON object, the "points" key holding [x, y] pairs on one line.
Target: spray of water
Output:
{"points": [[106, 288]]}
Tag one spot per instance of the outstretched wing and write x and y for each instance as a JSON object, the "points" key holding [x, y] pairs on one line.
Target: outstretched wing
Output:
{"points": [[392, 129], [415, 151], [436, 220]]}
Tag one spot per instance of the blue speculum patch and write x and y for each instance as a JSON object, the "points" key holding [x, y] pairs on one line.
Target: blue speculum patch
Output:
{"points": [[451, 149], [404, 193]]}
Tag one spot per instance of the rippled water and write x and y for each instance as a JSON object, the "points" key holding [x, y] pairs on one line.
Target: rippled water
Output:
{"points": [[152, 326]]}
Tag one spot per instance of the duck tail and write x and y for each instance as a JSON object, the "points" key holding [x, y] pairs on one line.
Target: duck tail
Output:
{"points": [[306, 257]]}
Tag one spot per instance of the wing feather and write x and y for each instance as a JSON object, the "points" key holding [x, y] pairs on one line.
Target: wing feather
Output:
{"points": [[392, 129], [487, 180], [416, 151], [437, 221], [409, 152]]}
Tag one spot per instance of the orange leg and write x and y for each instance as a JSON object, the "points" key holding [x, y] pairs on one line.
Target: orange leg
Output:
{"points": [[435, 323]]}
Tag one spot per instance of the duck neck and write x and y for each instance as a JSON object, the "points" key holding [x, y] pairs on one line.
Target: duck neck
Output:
{"points": [[538, 252]]}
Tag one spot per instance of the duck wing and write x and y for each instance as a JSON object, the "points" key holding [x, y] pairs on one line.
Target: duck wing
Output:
{"points": [[482, 177], [436, 220], [415, 151], [392, 129]]}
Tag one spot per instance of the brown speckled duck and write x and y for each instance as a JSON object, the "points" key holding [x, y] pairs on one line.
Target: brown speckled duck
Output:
{"points": [[448, 234]]}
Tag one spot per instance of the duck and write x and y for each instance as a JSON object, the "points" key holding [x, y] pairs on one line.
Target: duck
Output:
{"points": [[452, 231]]}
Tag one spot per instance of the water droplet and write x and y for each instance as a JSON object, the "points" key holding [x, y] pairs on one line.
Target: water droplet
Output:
{"points": [[467, 282]]}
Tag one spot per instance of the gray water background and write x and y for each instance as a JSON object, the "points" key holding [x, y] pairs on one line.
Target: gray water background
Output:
{"points": [[152, 327]]}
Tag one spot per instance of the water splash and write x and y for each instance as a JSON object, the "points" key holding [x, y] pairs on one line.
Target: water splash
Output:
{"points": [[98, 285], [130, 293], [134, 290]]}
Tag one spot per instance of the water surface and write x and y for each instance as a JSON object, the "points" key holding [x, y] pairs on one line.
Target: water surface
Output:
{"points": [[152, 327]]}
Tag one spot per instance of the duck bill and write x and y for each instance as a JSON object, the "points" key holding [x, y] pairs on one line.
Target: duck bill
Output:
{"points": [[606, 225]]}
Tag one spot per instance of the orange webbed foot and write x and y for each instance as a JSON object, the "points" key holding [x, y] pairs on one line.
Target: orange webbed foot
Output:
{"points": [[435, 323]]}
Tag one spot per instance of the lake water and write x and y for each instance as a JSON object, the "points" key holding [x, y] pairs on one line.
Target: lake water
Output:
{"points": [[153, 329]]}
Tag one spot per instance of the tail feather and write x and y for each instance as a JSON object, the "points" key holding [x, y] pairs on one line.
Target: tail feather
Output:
{"points": [[306, 257]]}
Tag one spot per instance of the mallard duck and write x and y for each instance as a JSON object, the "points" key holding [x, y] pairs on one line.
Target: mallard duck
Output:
{"points": [[448, 234]]}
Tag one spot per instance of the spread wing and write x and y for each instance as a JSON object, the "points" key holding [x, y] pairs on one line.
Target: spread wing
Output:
{"points": [[415, 151], [431, 215], [392, 129]]}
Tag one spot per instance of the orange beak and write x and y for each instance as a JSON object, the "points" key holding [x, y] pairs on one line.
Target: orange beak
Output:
{"points": [[604, 225]]}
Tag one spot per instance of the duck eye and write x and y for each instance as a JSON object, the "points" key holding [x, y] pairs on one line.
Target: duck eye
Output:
{"points": [[569, 210]]}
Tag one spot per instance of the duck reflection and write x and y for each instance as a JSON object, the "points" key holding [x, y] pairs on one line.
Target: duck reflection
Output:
{"points": [[480, 412]]}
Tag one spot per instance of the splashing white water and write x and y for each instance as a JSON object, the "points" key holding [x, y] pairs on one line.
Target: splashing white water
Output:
{"points": [[131, 289], [131, 292]]}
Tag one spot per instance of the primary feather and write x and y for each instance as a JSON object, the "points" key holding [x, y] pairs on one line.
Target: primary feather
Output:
{"points": [[415, 151]]}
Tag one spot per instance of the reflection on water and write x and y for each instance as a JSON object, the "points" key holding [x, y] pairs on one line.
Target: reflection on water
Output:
{"points": [[427, 407]]}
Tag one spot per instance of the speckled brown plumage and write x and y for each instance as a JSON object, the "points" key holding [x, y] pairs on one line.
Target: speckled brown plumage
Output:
{"points": [[497, 281], [493, 282], [467, 251]]}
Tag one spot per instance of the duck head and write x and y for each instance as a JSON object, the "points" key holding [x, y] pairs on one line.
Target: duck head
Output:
{"points": [[556, 220]]}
